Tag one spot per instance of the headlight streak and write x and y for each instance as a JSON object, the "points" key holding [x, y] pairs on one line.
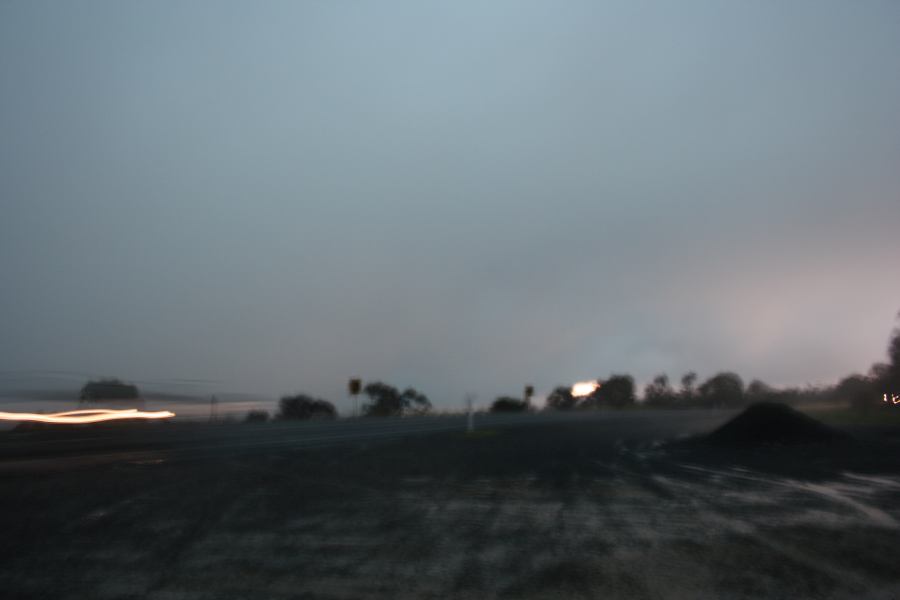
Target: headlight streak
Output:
{"points": [[584, 388], [75, 417]]}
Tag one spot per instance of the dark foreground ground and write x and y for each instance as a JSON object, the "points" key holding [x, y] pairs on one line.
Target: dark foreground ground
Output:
{"points": [[595, 509]]}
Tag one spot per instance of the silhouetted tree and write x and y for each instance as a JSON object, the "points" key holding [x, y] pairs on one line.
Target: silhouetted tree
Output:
{"points": [[890, 380], [858, 390], [387, 401], [506, 404], [561, 398], [884, 378], [619, 389], [760, 391], [108, 389], [723, 390], [592, 400], [688, 381], [615, 392], [414, 402], [879, 372], [256, 416], [384, 400], [659, 393], [301, 406]]}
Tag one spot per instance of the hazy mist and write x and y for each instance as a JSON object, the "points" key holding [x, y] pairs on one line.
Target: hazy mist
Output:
{"points": [[461, 197]]}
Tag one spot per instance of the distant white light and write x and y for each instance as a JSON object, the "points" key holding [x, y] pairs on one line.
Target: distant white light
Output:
{"points": [[584, 388]]}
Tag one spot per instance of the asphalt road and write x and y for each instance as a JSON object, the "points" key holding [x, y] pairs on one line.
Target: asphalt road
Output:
{"points": [[52, 450], [535, 506]]}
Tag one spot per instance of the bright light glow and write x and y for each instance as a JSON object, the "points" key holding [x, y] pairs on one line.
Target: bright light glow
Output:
{"points": [[894, 399], [86, 416], [584, 388]]}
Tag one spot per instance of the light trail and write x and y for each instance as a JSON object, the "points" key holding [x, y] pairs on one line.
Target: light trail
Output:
{"points": [[584, 388], [894, 399], [75, 417]]}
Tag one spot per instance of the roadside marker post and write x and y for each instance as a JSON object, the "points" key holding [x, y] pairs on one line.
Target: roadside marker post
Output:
{"points": [[470, 413], [354, 387], [213, 409]]}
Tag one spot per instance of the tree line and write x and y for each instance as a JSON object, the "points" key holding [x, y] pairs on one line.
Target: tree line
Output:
{"points": [[722, 390], [618, 391], [727, 390], [383, 401]]}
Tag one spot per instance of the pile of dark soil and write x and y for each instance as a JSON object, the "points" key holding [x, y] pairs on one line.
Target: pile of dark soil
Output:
{"points": [[778, 440], [772, 423]]}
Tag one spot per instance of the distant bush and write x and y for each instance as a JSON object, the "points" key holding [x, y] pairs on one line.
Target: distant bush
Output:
{"points": [[723, 390], [885, 377], [561, 398], [688, 393], [505, 404], [616, 392], [859, 391], [301, 407], [659, 393], [108, 389], [760, 391], [387, 401], [256, 416]]}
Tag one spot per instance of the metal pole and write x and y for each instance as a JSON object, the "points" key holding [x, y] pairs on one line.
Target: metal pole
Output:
{"points": [[355, 387]]}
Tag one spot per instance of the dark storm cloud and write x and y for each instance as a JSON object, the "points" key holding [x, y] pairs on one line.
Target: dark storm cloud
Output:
{"points": [[460, 197]]}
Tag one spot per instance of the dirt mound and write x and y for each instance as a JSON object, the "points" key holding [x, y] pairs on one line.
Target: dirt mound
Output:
{"points": [[772, 423]]}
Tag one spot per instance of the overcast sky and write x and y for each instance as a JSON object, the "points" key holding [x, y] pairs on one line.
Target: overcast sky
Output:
{"points": [[459, 196]]}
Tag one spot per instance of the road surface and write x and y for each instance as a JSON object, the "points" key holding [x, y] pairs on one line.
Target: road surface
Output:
{"points": [[578, 505], [42, 450]]}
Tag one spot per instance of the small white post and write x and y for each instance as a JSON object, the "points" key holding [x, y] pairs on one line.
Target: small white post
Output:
{"points": [[470, 415]]}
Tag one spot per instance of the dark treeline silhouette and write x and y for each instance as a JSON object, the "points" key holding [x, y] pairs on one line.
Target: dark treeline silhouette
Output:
{"points": [[301, 406], [618, 391], [108, 388], [256, 416], [722, 390], [866, 392], [561, 398], [727, 390], [615, 392], [508, 404], [386, 401]]}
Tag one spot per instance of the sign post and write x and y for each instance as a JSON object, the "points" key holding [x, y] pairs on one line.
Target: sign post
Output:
{"points": [[354, 387]]}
